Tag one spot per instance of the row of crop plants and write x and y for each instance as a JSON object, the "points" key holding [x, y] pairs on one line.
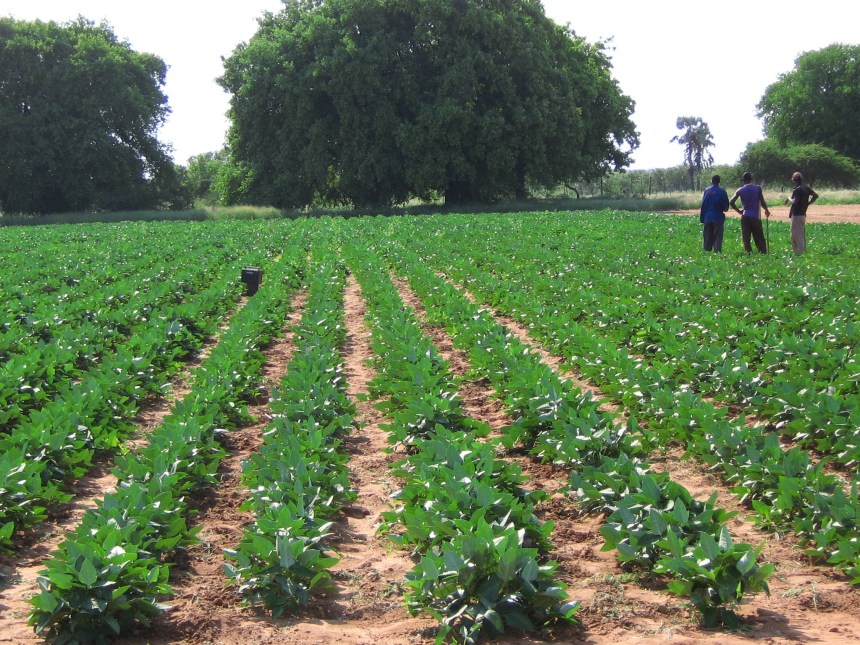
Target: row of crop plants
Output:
{"points": [[784, 487], [70, 397], [779, 340], [652, 522], [40, 366], [483, 566], [112, 571], [54, 444], [100, 282], [299, 479]]}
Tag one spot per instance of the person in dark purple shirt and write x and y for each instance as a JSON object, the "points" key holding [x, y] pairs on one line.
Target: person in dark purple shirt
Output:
{"points": [[801, 197], [715, 203], [751, 197]]}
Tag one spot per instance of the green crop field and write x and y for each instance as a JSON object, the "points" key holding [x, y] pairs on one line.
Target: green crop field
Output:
{"points": [[442, 426]]}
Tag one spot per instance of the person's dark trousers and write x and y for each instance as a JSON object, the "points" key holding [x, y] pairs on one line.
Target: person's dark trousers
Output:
{"points": [[751, 226], [713, 236]]}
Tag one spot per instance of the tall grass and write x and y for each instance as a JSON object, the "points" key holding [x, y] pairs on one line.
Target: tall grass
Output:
{"points": [[655, 203], [195, 214]]}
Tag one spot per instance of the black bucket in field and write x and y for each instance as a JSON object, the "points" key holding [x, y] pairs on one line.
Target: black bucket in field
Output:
{"points": [[253, 278]]}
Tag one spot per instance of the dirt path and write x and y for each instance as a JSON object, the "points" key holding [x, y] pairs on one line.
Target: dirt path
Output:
{"points": [[818, 213], [204, 608], [368, 606]]}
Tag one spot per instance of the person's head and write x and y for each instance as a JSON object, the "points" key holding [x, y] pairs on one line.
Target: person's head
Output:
{"points": [[747, 177], [715, 180], [797, 178]]}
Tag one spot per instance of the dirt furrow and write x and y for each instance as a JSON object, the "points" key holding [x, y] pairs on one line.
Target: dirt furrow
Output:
{"points": [[204, 608], [807, 601], [592, 576], [368, 604]]}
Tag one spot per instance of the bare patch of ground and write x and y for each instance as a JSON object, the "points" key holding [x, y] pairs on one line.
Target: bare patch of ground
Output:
{"points": [[818, 213]]}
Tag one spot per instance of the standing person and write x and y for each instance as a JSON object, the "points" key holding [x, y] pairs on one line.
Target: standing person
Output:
{"points": [[751, 197], [715, 203], [801, 197]]}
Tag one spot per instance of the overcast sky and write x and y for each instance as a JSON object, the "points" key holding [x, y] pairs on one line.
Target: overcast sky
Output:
{"points": [[674, 58]]}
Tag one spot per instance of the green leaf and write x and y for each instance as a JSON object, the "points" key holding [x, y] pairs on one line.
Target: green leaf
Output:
{"points": [[492, 616], [112, 623], [709, 546], [88, 574], [747, 562], [508, 565], [726, 542]]}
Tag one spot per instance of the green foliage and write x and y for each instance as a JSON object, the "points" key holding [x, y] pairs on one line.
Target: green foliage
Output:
{"points": [[696, 141], [485, 581], [202, 176], [106, 575], [713, 573], [281, 562], [371, 103], [79, 110], [95, 588], [299, 478], [817, 101], [772, 162], [655, 524], [460, 505]]}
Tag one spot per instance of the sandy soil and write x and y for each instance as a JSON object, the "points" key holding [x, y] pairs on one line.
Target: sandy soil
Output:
{"points": [[818, 213], [808, 603]]}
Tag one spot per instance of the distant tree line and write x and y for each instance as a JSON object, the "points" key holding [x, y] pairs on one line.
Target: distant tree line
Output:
{"points": [[376, 102], [803, 131]]}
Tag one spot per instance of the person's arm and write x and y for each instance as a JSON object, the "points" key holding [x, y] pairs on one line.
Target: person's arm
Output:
{"points": [[734, 201], [812, 196], [724, 201]]}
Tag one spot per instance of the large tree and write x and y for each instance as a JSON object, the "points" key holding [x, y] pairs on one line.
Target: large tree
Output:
{"points": [[372, 102], [817, 102], [696, 140], [79, 111]]}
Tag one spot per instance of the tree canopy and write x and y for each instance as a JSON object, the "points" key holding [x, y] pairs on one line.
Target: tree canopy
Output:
{"points": [[772, 162], [79, 111], [372, 102], [817, 102]]}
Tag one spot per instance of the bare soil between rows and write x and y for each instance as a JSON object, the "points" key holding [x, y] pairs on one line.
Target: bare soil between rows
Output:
{"points": [[808, 603]]}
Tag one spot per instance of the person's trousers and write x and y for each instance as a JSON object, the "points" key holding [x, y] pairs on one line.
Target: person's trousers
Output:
{"points": [[798, 234], [712, 235], [751, 227]]}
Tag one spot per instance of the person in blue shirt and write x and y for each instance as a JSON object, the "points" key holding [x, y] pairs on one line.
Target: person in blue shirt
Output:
{"points": [[715, 203], [752, 198]]}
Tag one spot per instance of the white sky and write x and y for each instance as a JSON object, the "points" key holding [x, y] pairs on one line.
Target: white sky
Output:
{"points": [[672, 57]]}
